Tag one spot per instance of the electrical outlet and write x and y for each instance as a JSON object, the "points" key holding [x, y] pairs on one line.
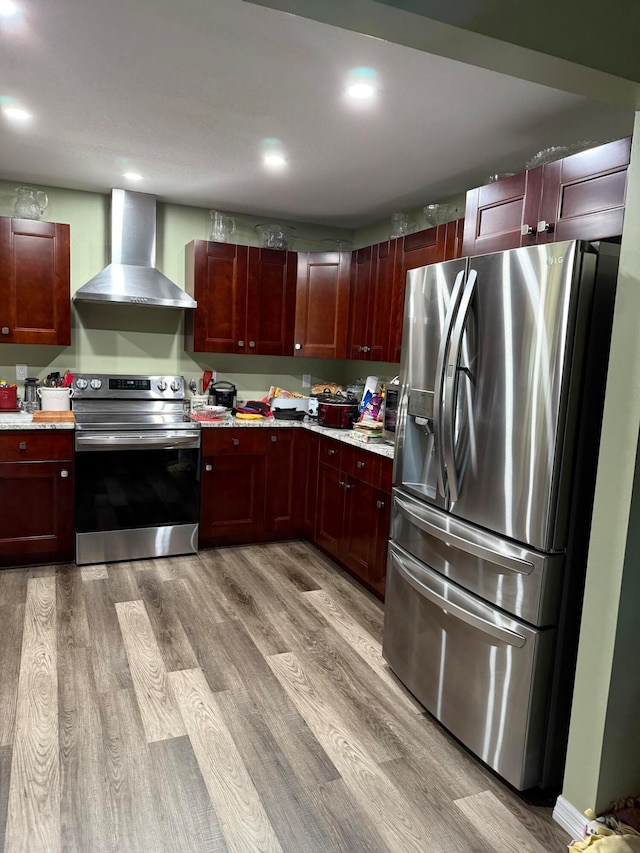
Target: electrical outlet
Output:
{"points": [[306, 380], [21, 371]]}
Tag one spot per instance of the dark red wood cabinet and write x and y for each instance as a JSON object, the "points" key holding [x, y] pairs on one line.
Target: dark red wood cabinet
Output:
{"points": [[322, 304], [578, 197], [353, 510], [36, 496], [284, 496], [246, 299], [35, 303], [372, 279]]}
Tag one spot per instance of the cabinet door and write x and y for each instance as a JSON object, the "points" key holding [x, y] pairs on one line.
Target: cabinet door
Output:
{"points": [[34, 282], [378, 566], [271, 302], [496, 213], [366, 530], [583, 196], [36, 523], [361, 283], [322, 304], [312, 445], [330, 510], [453, 236], [382, 282], [216, 277], [232, 499], [284, 493], [415, 250]]}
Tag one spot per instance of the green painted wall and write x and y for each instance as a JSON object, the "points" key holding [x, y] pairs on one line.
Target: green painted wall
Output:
{"points": [[377, 232], [603, 759]]}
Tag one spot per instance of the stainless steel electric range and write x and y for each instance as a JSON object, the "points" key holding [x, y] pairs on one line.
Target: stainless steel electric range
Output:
{"points": [[137, 480]]}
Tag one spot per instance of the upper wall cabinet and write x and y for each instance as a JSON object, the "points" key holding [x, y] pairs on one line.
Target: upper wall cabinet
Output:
{"points": [[245, 296], [35, 305], [322, 304], [578, 197], [372, 277]]}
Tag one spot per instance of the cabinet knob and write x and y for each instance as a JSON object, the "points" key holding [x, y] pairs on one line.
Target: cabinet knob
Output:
{"points": [[298, 346], [208, 467], [23, 445], [525, 230], [331, 452], [543, 226], [359, 464], [346, 486], [274, 438], [240, 343], [366, 349], [380, 504], [252, 343], [236, 442], [5, 330], [64, 473]]}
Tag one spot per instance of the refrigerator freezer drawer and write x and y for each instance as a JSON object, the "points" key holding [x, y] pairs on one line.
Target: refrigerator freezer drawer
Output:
{"points": [[525, 583], [485, 676]]}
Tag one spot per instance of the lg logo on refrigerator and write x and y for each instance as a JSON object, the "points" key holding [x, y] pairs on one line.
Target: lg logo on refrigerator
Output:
{"points": [[554, 261]]}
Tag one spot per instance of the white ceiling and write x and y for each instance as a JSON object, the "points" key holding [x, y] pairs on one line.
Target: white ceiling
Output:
{"points": [[184, 93]]}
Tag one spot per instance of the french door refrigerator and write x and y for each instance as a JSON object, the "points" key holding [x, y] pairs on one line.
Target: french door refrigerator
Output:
{"points": [[504, 360]]}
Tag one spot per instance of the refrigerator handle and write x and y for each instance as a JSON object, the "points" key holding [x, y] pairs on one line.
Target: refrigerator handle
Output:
{"points": [[512, 564], [438, 434], [451, 386], [504, 635]]}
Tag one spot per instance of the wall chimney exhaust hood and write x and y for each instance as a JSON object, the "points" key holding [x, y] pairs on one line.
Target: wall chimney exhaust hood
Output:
{"points": [[131, 277]]}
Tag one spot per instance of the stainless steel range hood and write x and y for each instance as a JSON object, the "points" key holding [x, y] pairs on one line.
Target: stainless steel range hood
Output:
{"points": [[131, 277]]}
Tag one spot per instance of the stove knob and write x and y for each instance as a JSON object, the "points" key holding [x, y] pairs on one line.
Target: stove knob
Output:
{"points": [[175, 386], [81, 384], [96, 383], [162, 385]]}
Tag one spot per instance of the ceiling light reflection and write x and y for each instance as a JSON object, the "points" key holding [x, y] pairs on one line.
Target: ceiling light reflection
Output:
{"points": [[7, 7], [16, 114]]}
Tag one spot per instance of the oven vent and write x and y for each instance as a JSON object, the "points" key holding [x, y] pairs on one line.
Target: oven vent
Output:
{"points": [[132, 277]]}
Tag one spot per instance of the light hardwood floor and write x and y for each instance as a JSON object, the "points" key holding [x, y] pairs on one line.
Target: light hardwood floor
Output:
{"points": [[236, 700]]}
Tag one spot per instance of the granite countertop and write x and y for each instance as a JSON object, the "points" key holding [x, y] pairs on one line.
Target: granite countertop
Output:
{"points": [[14, 422]]}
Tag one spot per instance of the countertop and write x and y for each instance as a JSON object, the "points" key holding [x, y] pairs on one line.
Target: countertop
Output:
{"points": [[24, 422]]}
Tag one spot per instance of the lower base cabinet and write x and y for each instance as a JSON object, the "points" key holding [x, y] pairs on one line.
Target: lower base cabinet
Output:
{"points": [[353, 510], [250, 479], [36, 497]]}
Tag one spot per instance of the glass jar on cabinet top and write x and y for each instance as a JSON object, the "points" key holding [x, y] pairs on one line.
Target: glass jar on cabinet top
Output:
{"points": [[275, 236], [30, 203], [222, 226]]}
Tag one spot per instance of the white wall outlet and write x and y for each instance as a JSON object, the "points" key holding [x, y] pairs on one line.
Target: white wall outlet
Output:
{"points": [[21, 371], [306, 380]]}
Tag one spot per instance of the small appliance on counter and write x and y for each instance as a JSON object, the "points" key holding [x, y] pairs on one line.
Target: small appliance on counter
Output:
{"points": [[223, 393], [336, 411]]}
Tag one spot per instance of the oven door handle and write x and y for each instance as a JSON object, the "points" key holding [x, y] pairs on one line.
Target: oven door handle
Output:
{"points": [[151, 440]]}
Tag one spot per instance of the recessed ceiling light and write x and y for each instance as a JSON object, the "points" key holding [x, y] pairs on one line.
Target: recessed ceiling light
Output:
{"points": [[8, 7], [361, 91], [16, 113], [274, 160], [132, 176]]}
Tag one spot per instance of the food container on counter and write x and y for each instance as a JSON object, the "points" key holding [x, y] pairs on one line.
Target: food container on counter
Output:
{"points": [[8, 397]]}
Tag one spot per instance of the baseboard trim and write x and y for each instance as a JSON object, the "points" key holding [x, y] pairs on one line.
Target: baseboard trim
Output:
{"points": [[569, 818]]}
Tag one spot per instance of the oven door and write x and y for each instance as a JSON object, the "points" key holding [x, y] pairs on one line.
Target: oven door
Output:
{"points": [[137, 494]]}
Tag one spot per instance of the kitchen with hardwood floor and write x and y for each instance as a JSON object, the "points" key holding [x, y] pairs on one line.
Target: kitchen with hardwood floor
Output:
{"points": [[232, 693]]}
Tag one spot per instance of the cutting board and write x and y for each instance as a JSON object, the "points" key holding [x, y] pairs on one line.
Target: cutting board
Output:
{"points": [[53, 417]]}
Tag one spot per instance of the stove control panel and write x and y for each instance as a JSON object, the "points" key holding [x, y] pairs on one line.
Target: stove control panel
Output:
{"points": [[127, 386]]}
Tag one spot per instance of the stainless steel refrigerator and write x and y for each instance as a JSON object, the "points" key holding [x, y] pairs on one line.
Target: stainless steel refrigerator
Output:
{"points": [[504, 360]]}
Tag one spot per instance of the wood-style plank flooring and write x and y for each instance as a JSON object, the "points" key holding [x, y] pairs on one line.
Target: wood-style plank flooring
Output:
{"points": [[235, 700]]}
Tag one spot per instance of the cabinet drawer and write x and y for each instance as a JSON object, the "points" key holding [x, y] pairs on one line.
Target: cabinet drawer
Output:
{"points": [[331, 452], [239, 442], [362, 465], [35, 445]]}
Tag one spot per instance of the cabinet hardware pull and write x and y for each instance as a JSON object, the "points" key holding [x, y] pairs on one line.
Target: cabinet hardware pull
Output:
{"points": [[543, 226], [366, 349], [64, 473], [240, 343], [347, 485], [331, 452], [274, 438], [298, 346], [359, 464], [208, 467], [380, 504], [236, 442], [23, 445], [359, 349], [5, 330], [525, 230], [252, 343]]}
